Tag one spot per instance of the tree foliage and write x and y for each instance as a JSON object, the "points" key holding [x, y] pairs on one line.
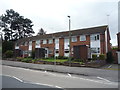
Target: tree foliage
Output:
{"points": [[41, 32], [14, 26]]}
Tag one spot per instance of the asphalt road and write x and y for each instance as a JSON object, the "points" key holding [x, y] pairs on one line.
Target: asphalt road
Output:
{"points": [[57, 80], [13, 82]]}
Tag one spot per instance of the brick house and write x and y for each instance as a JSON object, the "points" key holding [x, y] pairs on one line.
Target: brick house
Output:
{"points": [[84, 43], [118, 38]]}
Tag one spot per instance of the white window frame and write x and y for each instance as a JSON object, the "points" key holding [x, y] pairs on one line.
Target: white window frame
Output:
{"points": [[74, 39], [82, 37], [44, 41], [50, 41], [97, 49], [94, 37]]}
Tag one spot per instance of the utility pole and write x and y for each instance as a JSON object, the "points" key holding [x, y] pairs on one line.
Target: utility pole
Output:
{"points": [[69, 41]]}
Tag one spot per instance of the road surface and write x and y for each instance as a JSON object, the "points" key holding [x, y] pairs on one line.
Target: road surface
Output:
{"points": [[58, 80]]}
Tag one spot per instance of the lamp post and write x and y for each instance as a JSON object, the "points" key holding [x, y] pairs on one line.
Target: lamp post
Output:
{"points": [[54, 50], [69, 41]]}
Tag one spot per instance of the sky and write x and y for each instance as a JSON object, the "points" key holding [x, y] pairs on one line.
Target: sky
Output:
{"points": [[51, 15]]}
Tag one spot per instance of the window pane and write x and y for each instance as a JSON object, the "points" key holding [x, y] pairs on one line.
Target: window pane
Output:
{"points": [[50, 41], [74, 39], [44, 41], [82, 38]]}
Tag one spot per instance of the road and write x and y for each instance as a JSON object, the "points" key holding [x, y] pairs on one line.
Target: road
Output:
{"points": [[58, 80], [13, 82]]}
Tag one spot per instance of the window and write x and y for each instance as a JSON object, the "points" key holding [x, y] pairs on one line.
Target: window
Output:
{"points": [[57, 51], [82, 38], [66, 40], [50, 51], [57, 41], [95, 50], [30, 43], [66, 50], [26, 43], [95, 37], [44, 41], [50, 41], [37, 42], [74, 39]]}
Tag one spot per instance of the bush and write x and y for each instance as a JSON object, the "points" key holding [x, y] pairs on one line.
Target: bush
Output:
{"points": [[109, 57], [33, 54], [94, 57], [9, 54], [102, 57]]}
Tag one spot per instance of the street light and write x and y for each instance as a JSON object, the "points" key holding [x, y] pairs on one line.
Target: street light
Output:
{"points": [[53, 38], [69, 42]]}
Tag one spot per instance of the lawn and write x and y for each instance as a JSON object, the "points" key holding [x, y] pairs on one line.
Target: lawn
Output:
{"points": [[57, 60]]}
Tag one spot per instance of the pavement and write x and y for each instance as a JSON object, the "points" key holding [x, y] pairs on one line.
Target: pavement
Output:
{"points": [[109, 72]]}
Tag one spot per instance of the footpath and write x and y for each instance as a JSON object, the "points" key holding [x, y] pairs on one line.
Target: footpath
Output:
{"points": [[101, 72]]}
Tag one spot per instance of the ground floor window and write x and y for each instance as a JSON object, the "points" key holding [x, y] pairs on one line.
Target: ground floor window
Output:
{"points": [[95, 50]]}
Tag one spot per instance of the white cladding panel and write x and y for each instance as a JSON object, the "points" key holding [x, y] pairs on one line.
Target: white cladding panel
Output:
{"points": [[30, 45], [106, 41], [37, 44], [95, 43], [57, 43], [56, 54], [16, 47], [118, 57], [66, 54], [66, 43]]}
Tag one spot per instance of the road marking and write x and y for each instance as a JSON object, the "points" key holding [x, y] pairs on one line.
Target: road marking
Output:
{"points": [[17, 79], [103, 79], [69, 75], [32, 82], [14, 78], [110, 66]]}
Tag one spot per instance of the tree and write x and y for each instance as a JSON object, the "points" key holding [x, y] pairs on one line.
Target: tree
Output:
{"points": [[14, 26], [41, 32]]}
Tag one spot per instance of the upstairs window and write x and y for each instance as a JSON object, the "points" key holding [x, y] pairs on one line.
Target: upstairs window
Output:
{"points": [[74, 39], [37, 42], [95, 50], [50, 41], [44, 41], [26, 43], [95, 37], [83, 38]]}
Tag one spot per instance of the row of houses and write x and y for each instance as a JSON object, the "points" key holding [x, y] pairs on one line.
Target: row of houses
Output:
{"points": [[83, 43]]}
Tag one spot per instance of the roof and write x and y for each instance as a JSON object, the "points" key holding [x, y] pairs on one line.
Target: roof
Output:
{"points": [[85, 31]]}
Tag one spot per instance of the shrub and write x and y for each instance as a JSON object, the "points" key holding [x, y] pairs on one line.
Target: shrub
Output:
{"points": [[33, 54], [109, 57], [102, 57], [60, 57], [9, 54], [94, 57]]}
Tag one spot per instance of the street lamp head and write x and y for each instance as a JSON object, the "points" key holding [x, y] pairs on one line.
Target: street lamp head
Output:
{"points": [[68, 16]]}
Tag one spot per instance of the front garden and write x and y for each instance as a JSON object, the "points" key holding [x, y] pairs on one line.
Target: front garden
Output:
{"points": [[95, 61]]}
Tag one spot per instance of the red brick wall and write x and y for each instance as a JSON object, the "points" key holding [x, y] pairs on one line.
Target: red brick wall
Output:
{"points": [[102, 44], [118, 36], [61, 47], [33, 45]]}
